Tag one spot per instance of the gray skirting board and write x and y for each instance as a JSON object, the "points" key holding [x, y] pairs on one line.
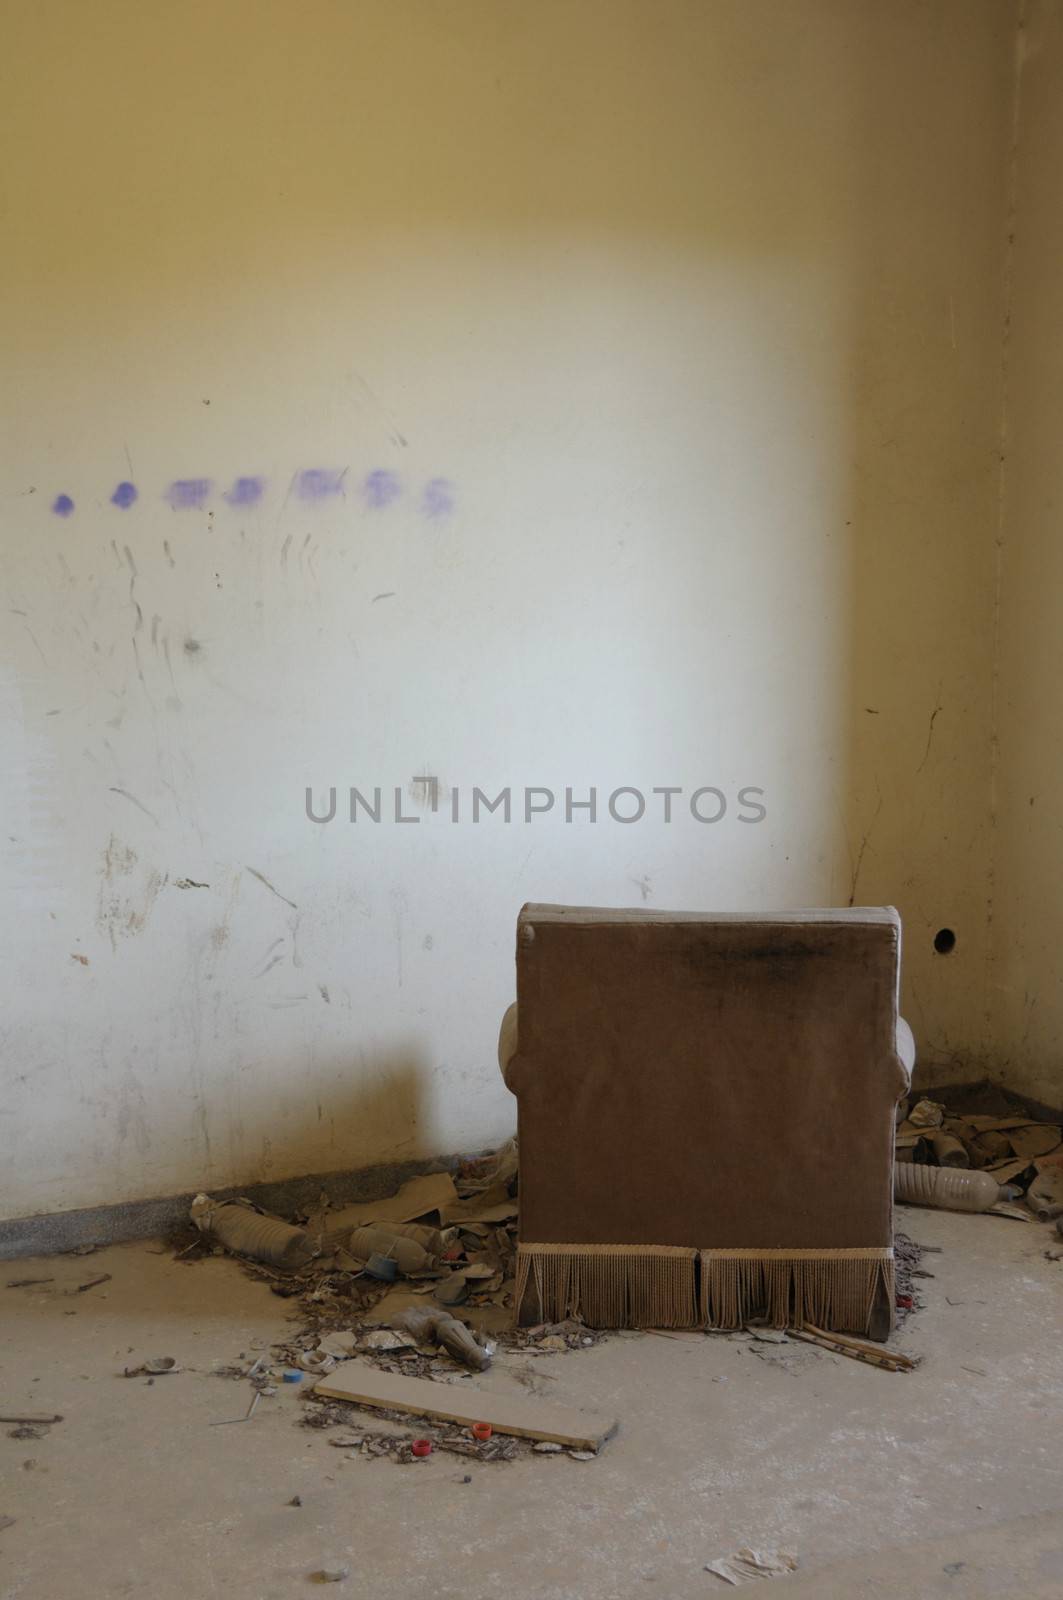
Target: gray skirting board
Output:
{"points": [[148, 1219]]}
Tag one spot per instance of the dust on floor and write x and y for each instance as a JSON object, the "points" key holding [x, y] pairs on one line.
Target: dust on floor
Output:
{"points": [[725, 1441]]}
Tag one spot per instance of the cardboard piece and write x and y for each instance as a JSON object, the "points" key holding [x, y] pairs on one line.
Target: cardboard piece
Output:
{"points": [[986, 1124], [528, 1419], [400, 1298], [490, 1319], [1006, 1208], [418, 1198], [476, 1210], [1036, 1139], [1005, 1171]]}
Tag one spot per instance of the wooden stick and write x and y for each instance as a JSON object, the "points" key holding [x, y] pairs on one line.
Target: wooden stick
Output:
{"points": [[889, 1360], [38, 1418], [857, 1344], [228, 1421], [827, 1343]]}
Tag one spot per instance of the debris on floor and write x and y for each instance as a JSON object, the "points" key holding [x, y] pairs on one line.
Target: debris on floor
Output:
{"points": [[907, 1266], [963, 1158], [856, 1349], [511, 1414], [426, 1326], [340, 1263], [224, 1422], [240, 1226], [155, 1366], [418, 1198], [746, 1564], [947, 1188], [93, 1283], [451, 1242], [359, 1441], [402, 1299], [1045, 1194]]}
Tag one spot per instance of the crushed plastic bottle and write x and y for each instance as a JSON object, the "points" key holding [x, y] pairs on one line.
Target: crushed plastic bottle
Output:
{"points": [[947, 1188], [243, 1230]]}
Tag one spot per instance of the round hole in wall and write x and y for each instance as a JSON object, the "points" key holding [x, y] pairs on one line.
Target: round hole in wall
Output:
{"points": [[944, 941]]}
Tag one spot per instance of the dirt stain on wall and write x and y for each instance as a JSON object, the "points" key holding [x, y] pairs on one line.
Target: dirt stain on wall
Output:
{"points": [[128, 891]]}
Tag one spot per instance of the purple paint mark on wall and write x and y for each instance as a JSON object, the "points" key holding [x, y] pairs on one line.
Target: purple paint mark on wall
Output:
{"points": [[438, 498], [124, 496], [246, 491], [316, 483], [185, 494], [381, 488], [62, 505]]}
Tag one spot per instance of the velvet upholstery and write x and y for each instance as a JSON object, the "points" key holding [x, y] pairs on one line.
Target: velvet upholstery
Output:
{"points": [[714, 1082]]}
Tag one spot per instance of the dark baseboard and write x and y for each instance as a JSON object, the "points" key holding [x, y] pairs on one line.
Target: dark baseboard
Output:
{"points": [[148, 1219], [60, 1231], [985, 1096]]}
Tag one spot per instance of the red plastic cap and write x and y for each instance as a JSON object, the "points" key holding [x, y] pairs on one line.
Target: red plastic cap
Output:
{"points": [[421, 1447], [481, 1430]]}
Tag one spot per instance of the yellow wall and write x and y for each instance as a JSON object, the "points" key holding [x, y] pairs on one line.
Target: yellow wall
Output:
{"points": [[697, 305], [1027, 901]]}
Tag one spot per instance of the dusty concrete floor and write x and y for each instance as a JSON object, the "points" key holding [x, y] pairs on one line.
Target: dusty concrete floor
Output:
{"points": [[723, 1443]]}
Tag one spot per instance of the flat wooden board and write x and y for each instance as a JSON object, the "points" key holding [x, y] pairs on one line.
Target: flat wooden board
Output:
{"points": [[529, 1419]]}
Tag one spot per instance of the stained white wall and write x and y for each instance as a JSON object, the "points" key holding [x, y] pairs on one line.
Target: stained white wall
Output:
{"points": [[696, 307], [1026, 973]]}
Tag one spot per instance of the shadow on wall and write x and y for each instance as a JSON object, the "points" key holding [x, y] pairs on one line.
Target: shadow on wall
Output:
{"points": [[374, 1115], [922, 391], [372, 1148]]}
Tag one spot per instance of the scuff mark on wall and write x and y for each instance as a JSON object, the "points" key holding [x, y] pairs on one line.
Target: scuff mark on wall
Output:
{"points": [[271, 888], [131, 1117], [858, 863], [134, 801], [930, 731], [220, 933], [123, 907]]}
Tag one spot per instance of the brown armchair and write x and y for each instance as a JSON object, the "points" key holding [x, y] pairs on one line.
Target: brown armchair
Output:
{"points": [[706, 1109]]}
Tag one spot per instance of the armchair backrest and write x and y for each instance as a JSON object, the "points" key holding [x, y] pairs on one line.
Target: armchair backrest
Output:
{"points": [[707, 1083]]}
